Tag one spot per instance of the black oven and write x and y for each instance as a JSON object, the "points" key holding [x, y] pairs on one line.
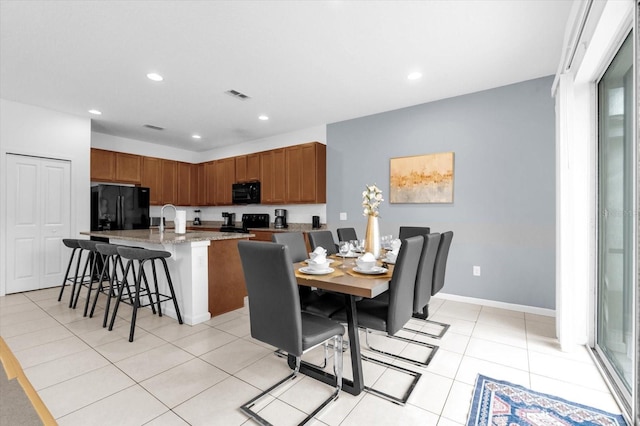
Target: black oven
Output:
{"points": [[245, 193]]}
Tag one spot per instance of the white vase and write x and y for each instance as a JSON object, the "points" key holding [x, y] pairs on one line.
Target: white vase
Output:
{"points": [[372, 237]]}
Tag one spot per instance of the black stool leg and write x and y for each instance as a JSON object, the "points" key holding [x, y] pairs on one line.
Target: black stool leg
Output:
{"points": [[75, 278], [155, 281], [76, 296], [94, 267], [105, 268], [173, 293], [136, 302], [149, 293], [121, 287], [66, 274]]}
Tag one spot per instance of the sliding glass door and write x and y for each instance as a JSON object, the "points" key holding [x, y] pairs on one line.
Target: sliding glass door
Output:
{"points": [[617, 218]]}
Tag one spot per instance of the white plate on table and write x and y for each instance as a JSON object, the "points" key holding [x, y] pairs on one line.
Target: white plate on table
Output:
{"points": [[376, 270], [308, 270], [328, 260], [389, 261]]}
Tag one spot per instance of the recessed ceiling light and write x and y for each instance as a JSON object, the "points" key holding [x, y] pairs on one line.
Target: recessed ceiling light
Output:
{"points": [[414, 75], [95, 112], [154, 76], [263, 117], [196, 136]]}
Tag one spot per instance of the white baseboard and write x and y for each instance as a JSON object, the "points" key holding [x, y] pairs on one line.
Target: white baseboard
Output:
{"points": [[494, 304]]}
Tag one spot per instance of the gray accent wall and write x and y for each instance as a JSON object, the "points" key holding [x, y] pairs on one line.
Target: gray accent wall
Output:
{"points": [[503, 213]]}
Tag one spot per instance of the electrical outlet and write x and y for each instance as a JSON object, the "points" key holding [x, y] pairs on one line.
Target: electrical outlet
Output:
{"points": [[476, 271], [343, 216]]}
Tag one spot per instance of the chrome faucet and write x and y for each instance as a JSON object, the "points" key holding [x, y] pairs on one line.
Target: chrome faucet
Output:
{"points": [[175, 211]]}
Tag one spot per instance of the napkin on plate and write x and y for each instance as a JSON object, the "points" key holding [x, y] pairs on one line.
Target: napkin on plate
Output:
{"points": [[319, 255], [368, 257]]}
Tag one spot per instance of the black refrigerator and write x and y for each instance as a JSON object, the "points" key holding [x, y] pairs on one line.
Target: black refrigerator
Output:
{"points": [[115, 207]]}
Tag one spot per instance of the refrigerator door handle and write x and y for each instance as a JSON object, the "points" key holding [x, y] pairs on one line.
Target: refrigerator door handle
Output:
{"points": [[120, 219]]}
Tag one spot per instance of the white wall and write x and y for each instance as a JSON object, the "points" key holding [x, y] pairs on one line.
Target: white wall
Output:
{"points": [[35, 131], [299, 213]]}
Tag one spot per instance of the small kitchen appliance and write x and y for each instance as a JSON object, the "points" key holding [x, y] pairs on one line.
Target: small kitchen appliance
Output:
{"points": [[228, 219], [245, 193], [196, 220], [281, 219], [315, 222]]}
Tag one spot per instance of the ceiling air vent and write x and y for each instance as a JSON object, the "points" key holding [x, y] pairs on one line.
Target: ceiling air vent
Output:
{"points": [[151, 126], [237, 95]]}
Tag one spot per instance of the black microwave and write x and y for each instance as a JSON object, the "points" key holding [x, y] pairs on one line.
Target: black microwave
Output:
{"points": [[245, 193]]}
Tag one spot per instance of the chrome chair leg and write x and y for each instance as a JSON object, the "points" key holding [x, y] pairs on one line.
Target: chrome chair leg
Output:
{"points": [[399, 401], [337, 369], [282, 354], [433, 348], [444, 329]]}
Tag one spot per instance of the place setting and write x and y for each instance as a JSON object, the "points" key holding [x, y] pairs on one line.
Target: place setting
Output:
{"points": [[318, 264], [367, 265]]}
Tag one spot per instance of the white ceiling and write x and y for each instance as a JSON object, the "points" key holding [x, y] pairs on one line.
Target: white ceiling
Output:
{"points": [[303, 63]]}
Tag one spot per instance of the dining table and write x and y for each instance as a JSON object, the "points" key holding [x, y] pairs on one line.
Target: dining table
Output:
{"points": [[353, 285]]}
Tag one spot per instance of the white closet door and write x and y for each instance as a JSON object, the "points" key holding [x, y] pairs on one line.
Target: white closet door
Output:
{"points": [[38, 217]]}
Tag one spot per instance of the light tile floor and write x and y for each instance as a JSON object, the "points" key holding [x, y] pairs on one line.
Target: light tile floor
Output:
{"points": [[178, 374]]}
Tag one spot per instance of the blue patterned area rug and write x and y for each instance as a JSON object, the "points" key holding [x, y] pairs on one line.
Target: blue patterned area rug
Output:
{"points": [[499, 403]]}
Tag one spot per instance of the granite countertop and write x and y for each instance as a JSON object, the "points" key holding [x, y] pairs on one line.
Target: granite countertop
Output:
{"points": [[153, 236]]}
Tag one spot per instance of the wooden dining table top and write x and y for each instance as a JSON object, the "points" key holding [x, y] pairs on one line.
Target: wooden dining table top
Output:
{"points": [[345, 280]]}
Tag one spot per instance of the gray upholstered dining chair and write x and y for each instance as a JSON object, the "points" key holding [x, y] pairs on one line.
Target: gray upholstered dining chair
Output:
{"points": [[320, 303], [433, 262], [347, 234], [295, 242], [323, 239], [276, 317], [412, 231], [391, 317], [424, 285], [439, 270]]}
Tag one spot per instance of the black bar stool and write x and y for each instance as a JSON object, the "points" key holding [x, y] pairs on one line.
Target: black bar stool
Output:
{"points": [[90, 263], [111, 260], [73, 244], [141, 255]]}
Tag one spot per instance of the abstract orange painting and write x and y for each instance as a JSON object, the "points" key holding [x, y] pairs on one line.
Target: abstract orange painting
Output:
{"points": [[422, 179]]}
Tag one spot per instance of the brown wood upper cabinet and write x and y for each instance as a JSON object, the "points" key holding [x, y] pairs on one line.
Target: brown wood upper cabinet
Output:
{"points": [[169, 181], [103, 165], [151, 178], [225, 175], [209, 183], [292, 175], [273, 177], [306, 173], [128, 168], [184, 184], [247, 167], [197, 185], [117, 167]]}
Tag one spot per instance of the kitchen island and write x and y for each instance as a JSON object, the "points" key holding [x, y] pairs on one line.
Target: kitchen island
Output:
{"points": [[205, 268]]}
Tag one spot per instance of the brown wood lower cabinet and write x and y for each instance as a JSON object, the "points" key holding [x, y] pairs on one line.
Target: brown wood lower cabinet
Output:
{"points": [[227, 289]]}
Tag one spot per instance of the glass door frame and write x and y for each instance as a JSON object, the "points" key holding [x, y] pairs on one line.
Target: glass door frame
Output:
{"points": [[628, 399], [626, 396]]}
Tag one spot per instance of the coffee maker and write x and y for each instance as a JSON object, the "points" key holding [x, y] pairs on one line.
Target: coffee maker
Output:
{"points": [[228, 219], [281, 219], [196, 220]]}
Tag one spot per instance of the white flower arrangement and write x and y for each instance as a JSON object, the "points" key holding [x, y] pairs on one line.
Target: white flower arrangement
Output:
{"points": [[371, 199]]}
